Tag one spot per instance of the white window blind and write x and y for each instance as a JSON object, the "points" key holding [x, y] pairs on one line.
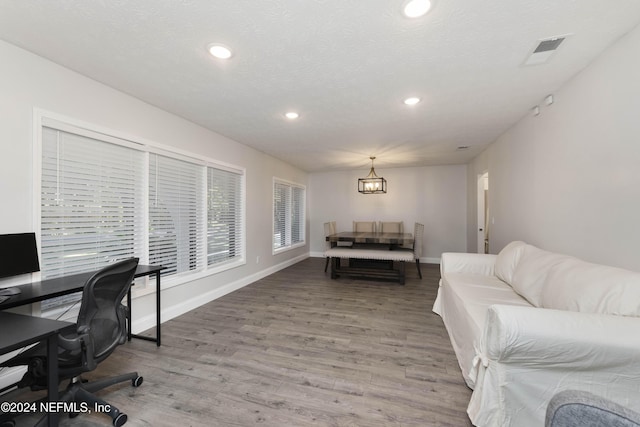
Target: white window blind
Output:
{"points": [[176, 214], [280, 205], [297, 215], [91, 194], [224, 216], [288, 215]]}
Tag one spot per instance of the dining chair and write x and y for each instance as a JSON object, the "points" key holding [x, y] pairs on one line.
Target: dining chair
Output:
{"points": [[364, 226], [330, 228], [391, 227], [327, 245], [367, 227], [418, 232], [334, 230]]}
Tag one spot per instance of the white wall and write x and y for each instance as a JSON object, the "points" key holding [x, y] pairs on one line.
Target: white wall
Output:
{"points": [[434, 196], [28, 81], [476, 168], [568, 180]]}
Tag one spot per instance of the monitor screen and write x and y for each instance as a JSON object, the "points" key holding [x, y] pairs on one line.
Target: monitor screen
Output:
{"points": [[18, 254]]}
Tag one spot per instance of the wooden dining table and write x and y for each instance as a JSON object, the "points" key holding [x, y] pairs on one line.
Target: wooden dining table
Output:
{"points": [[365, 237], [371, 256]]}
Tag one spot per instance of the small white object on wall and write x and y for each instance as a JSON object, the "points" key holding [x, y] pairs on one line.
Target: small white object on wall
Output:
{"points": [[548, 100]]}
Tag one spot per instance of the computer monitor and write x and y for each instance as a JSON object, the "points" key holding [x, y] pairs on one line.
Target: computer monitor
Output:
{"points": [[18, 254]]}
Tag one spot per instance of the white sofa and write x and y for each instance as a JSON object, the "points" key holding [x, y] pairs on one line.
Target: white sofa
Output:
{"points": [[527, 323]]}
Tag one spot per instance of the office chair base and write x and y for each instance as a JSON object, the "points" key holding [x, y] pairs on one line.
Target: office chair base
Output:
{"points": [[137, 382], [119, 420], [84, 393], [79, 390]]}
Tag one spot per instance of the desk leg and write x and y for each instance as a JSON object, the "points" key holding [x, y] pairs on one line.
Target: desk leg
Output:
{"points": [[158, 322], [129, 315], [52, 379], [142, 337]]}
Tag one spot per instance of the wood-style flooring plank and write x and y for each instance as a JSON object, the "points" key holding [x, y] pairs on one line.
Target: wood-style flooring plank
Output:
{"points": [[294, 349]]}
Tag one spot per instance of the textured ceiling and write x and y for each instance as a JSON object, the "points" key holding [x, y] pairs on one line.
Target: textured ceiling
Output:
{"points": [[345, 66]]}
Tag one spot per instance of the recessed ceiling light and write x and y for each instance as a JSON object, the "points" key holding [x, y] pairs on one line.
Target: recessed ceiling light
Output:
{"points": [[219, 51], [292, 115], [412, 101], [416, 8]]}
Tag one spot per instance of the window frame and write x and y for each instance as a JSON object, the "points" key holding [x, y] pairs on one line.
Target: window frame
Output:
{"points": [[43, 118], [289, 243]]}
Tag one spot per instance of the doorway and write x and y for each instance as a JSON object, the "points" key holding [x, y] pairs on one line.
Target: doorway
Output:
{"points": [[483, 213]]}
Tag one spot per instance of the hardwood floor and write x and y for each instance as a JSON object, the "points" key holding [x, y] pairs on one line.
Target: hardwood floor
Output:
{"points": [[296, 349]]}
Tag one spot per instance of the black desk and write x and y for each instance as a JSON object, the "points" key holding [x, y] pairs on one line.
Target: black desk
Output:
{"points": [[50, 288], [19, 331]]}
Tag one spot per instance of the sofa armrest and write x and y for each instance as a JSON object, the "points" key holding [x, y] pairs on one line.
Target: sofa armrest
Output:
{"points": [[457, 262], [528, 354], [557, 339]]}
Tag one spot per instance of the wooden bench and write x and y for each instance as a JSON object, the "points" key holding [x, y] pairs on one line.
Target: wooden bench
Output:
{"points": [[369, 270]]}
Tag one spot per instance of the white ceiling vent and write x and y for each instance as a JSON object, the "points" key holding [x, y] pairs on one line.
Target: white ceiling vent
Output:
{"points": [[544, 50]]}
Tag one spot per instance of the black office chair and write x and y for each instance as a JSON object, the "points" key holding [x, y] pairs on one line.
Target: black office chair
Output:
{"points": [[101, 327]]}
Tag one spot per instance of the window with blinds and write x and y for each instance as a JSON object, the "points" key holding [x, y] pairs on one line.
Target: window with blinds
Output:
{"points": [[176, 209], [297, 215], [104, 199], [91, 196], [91, 199], [288, 215], [224, 216]]}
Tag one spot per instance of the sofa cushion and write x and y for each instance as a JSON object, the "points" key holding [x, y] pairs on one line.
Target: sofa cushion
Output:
{"points": [[577, 285], [508, 259], [530, 275], [463, 302]]}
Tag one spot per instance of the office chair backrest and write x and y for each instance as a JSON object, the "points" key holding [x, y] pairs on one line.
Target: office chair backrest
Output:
{"points": [[102, 314]]}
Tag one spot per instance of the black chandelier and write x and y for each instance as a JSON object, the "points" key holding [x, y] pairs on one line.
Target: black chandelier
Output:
{"points": [[372, 184]]}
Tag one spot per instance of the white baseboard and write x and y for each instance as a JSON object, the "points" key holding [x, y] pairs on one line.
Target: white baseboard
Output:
{"points": [[176, 310]]}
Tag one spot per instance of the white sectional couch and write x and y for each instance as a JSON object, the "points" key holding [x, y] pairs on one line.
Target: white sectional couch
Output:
{"points": [[527, 323]]}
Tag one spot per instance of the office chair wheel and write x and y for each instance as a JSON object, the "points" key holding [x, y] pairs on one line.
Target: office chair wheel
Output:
{"points": [[119, 420], [8, 423], [137, 381]]}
